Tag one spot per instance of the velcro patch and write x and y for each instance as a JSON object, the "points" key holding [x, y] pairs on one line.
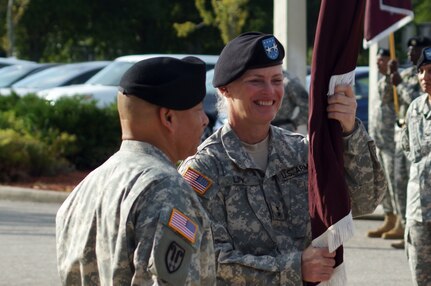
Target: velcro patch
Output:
{"points": [[183, 225], [199, 182]]}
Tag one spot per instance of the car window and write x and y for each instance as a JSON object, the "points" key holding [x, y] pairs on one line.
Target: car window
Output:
{"points": [[111, 74], [49, 78], [9, 74], [82, 78]]}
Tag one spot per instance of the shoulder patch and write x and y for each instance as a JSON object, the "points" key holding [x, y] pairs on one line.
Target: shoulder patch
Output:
{"points": [[183, 225], [174, 257], [199, 182]]}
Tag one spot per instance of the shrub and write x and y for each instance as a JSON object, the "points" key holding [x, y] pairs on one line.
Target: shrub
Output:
{"points": [[22, 155], [40, 137]]}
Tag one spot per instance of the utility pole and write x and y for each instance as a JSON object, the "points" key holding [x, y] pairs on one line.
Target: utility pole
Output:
{"points": [[10, 29]]}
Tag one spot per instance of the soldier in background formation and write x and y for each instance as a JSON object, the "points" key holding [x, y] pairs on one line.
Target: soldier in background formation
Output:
{"points": [[416, 141], [252, 176], [382, 131], [134, 220], [408, 88], [293, 112]]}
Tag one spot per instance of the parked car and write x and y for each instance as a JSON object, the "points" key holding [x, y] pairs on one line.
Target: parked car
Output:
{"points": [[11, 74], [361, 91], [103, 86], [4, 62], [61, 75]]}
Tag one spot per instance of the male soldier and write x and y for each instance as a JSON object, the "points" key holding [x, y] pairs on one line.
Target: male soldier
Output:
{"points": [[294, 108], [408, 89], [134, 220], [416, 141], [382, 130]]}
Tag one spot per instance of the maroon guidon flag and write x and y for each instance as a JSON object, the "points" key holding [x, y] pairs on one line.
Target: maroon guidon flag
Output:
{"points": [[336, 46], [383, 17]]}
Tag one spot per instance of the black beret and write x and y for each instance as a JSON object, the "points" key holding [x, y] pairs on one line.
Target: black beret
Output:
{"points": [[383, 52], [247, 51], [425, 57], [168, 82], [419, 42]]}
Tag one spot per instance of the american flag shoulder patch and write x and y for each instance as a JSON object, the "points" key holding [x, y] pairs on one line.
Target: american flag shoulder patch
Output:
{"points": [[180, 223], [199, 182]]}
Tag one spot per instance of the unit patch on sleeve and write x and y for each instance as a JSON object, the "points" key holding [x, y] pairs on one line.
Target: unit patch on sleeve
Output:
{"points": [[183, 225], [199, 182], [174, 257]]}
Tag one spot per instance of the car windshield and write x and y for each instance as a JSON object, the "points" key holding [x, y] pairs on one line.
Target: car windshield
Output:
{"points": [[52, 77], [111, 75], [11, 73]]}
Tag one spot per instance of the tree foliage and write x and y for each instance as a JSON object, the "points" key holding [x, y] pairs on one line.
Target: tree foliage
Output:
{"points": [[70, 31], [422, 10]]}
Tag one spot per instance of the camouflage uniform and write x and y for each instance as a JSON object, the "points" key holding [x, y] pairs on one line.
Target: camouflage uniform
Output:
{"points": [[416, 142], [294, 108], [134, 221], [260, 219], [382, 130], [408, 90]]}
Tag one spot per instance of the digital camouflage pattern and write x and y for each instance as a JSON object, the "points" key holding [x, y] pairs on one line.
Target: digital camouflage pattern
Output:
{"points": [[294, 108], [260, 219], [416, 142], [116, 227], [382, 130], [417, 237], [408, 90]]}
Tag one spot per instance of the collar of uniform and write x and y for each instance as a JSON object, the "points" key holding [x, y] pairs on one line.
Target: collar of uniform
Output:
{"points": [[280, 155], [235, 150], [424, 106], [143, 148], [426, 109]]}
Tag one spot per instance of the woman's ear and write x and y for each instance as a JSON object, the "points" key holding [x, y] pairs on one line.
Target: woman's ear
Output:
{"points": [[223, 91]]}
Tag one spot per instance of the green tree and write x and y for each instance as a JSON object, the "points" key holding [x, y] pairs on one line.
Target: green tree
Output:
{"points": [[422, 10], [228, 16]]}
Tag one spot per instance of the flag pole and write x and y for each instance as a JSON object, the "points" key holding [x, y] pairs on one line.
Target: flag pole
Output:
{"points": [[392, 55]]}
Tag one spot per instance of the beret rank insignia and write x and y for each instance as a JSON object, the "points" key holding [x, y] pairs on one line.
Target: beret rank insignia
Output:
{"points": [[271, 48]]}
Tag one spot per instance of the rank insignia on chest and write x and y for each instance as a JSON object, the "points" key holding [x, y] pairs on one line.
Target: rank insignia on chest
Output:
{"points": [[183, 225], [199, 182]]}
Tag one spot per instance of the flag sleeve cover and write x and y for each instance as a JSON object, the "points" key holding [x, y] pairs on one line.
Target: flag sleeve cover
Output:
{"points": [[336, 47]]}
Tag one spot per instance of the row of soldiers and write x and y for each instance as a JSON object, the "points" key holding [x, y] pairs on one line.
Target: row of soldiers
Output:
{"points": [[387, 135]]}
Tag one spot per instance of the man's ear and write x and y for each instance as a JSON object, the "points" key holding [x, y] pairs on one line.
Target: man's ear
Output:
{"points": [[166, 117]]}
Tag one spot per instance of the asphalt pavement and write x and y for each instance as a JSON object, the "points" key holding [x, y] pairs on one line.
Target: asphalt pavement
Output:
{"points": [[369, 261]]}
